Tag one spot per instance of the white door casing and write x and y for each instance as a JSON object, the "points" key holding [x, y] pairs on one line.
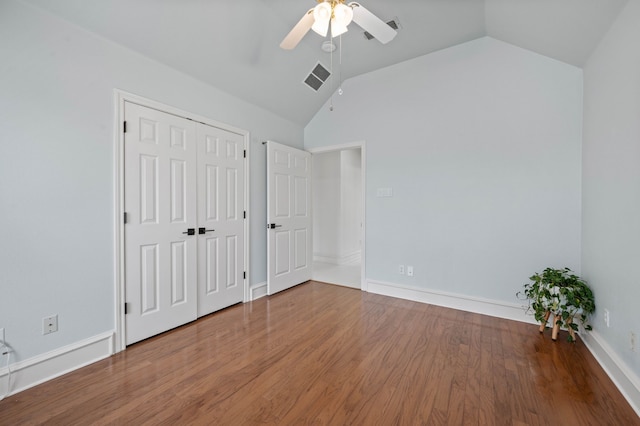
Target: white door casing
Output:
{"points": [[221, 218], [160, 202], [289, 233]]}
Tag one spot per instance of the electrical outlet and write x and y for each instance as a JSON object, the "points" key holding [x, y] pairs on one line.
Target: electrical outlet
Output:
{"points": [[401, 269], [606, 317], [50, 324], [409, 271], [632, 341]]}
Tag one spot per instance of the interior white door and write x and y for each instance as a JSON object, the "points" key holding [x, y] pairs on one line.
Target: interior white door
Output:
{"points": [[221, 165], [160, 203], [289, 217]]}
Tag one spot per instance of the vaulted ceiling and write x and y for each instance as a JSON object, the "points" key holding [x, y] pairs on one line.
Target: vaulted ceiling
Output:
{"points": [[234, 44]]}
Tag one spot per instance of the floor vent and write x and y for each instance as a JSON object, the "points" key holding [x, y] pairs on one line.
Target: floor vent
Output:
{"points": [[317, 77], [392, 23]]}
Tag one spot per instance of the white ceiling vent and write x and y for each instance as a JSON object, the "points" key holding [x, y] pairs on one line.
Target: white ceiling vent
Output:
{"points": [[392, 23], [317, 77]]}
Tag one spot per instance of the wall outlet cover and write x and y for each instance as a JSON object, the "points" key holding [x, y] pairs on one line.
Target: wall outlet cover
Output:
{"points": [[50, 324]]}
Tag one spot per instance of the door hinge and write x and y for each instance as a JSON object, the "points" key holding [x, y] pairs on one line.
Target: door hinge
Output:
{"points": [[126, 308], [245, 153], [244, 214], [125, 217], [124, 127], [244, 275]]}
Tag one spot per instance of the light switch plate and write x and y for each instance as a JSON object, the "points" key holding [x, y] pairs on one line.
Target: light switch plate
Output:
{"points": [[384, 192]]}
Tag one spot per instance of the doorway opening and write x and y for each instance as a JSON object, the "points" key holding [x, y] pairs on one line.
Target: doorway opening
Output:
{"points": [[338, 215]]}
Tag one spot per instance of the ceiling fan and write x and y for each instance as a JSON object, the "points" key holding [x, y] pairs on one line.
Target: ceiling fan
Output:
{"points": [[336, 15]]}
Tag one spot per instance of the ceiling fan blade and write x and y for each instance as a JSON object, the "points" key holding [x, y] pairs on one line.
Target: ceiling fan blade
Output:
{"points": [[372, 24], [295, 35]]}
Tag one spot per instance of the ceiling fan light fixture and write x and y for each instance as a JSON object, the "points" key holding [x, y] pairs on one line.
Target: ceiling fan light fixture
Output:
{"points": [[337, 15]]}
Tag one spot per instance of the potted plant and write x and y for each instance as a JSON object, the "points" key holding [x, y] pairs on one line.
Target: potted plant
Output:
{"points": [[564, 295]]}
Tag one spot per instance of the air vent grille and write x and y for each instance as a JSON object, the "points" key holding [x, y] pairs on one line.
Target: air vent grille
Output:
{"points": [[392, 23], [317, 77]]}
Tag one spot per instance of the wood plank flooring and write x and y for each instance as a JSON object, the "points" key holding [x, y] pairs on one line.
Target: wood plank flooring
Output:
{"points": [[330, 355]]}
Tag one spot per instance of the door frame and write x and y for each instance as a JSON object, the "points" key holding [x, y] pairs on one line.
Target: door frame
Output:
{"points": [[363, 175], [120, 97]]}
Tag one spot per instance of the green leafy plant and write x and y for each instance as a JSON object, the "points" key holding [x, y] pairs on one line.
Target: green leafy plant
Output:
{"points": [[561, 293]]}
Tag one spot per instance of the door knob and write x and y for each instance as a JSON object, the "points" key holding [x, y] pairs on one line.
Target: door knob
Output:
{"points": [[273, 226], [202, 230], [190, 231]]}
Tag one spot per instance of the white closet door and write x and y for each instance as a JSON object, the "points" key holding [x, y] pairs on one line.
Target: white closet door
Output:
{"points": [[220, 218], [289, 217], [160, 202]]}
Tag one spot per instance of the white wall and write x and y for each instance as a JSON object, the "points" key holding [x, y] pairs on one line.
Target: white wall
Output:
{"points": [[337, 195], [611, 185], [350, 201], [326, 204], [57, 170], [480, 144]]}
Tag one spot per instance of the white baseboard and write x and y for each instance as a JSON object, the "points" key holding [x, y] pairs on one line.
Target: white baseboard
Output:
{"points": [[347, 259], [39, 369], [351, 259], [478, 305], [625, 380], [325, 259], [258, 290]]}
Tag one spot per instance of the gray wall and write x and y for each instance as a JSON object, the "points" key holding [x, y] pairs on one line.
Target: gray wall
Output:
{"points": [[57, 170], [481, 146], [611, 184]]}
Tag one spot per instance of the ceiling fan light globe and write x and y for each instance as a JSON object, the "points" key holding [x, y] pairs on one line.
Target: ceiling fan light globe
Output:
{"points": [[321, 16], [337, 28], [321, 28], [342, 14]]}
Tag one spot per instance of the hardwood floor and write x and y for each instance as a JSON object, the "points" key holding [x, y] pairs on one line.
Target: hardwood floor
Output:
{"points": [[323, 354]]}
